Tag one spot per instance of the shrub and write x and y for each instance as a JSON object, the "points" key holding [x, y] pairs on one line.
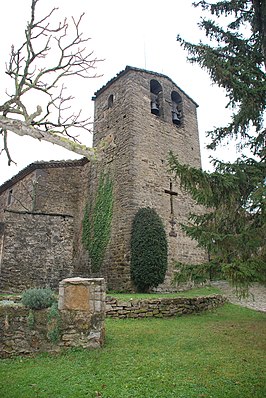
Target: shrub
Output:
{"points": [[148, 250], [53, 324], [37, 299]]}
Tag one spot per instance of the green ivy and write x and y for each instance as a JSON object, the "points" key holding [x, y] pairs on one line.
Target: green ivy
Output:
{"points": [[97, 222]]}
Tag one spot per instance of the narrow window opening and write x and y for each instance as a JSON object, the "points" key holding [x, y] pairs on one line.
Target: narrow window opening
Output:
{"points": [[177, 111], [110, 101], [10, 197]]}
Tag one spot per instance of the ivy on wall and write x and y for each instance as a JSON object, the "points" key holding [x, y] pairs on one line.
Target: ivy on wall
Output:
{"points": [[97, 222]]}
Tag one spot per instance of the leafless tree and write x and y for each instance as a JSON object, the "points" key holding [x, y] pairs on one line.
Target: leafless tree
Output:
{"points": [[31, 73]]}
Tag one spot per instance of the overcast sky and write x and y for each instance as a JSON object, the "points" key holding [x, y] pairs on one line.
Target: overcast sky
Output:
{"points": [[140, 33]]}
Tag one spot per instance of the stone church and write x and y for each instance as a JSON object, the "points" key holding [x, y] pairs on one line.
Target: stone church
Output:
{"points": [[139, 117]]}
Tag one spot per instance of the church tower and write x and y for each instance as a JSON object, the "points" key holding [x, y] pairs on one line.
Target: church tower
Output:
{"points": [[143, 115]]}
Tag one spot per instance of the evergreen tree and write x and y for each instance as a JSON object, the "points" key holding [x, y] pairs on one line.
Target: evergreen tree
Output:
{"points": [[233, 229], [148, 250]]}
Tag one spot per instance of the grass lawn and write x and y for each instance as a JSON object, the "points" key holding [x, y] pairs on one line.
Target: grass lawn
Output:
{"points": [[220, 354], [201, 291]]}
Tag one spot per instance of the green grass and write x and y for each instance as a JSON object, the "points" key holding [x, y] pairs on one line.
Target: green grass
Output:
{"points": [[203, 291], [219, 354], [8, 295]]}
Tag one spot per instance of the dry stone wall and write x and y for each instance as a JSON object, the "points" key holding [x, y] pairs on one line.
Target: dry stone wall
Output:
{"points": [[82, 321], [162, 307]]}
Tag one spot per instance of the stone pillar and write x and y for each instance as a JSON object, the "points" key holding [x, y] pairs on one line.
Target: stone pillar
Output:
{"points": [[82, 308]]}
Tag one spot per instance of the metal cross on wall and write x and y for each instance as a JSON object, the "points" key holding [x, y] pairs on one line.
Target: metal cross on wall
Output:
{"points": [[172, 221]]}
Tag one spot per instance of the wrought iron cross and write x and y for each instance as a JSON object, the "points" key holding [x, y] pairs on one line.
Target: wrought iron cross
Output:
{"points": [[171, 193], [172, 221]]}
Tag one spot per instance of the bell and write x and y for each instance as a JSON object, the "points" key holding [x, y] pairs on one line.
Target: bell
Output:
{"points": [[155, 109], [176, 119]]}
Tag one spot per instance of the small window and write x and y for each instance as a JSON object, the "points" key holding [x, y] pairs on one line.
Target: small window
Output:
{"points": [[10, 197], [177, 111], [156, 92], [110, 101]]}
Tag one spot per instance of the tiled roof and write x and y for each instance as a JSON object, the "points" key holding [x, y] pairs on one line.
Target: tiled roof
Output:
{"points": [[41, 165]]}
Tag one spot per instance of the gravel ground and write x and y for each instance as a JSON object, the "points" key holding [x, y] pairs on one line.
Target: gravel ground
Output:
{"points": [[256, 299]]}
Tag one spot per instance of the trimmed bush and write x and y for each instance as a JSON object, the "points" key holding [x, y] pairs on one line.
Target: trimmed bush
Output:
{"points": [[38, 298], [148, 250]]}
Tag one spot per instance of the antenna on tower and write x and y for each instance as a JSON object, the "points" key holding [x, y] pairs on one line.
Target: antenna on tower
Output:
{"points": [[145, 66]]}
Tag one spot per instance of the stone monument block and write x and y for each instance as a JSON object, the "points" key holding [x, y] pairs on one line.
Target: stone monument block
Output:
{"points": [[77, 293]]}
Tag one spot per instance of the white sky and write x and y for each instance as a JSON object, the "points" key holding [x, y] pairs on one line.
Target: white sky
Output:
{"points": [[140, 33]]}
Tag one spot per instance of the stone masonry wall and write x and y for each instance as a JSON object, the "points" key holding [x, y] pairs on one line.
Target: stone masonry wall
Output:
{"points": [[59, 190], [80, 255], [137, 146], [50, 190], [19, 196], [82, 321], [138, 157], [37, 250], [115, 124], [162, 307], [155, 137], [46, 188]]}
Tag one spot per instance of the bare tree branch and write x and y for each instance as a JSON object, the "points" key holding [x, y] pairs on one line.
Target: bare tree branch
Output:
{"points": [[22, 128], [5, 146], [32, 71]]}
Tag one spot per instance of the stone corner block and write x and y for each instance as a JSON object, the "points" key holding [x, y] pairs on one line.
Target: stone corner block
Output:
{"points": [[77, 293]]}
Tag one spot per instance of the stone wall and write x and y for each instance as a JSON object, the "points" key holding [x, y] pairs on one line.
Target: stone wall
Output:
{"points": [[80, 255], [19, 196], [137, 145], [48, 187], [37, 250], [162, 307], [59, 190], [81, 323], [141, 142]]}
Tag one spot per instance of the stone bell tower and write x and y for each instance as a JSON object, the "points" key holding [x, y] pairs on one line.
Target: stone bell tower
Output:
{"points": [[145, 115]]}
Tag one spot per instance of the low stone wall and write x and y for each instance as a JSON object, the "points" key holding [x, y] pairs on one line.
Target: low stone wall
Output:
{"points": [[162, 307], [79, 321], [17, 335]]}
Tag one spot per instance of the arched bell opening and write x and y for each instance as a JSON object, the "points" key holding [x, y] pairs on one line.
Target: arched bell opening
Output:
{"points": [[156, 92], [177, 108]]}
